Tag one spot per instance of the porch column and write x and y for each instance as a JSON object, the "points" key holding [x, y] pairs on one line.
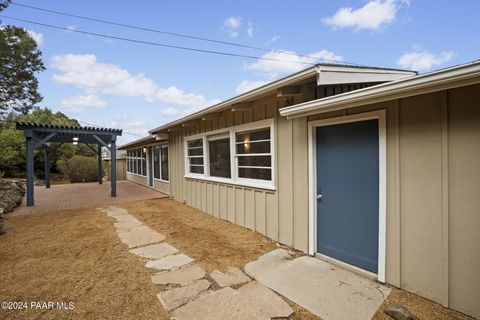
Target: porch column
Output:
{"points": [[113, 168], [30, 178], [100, 171], [47, 167]]}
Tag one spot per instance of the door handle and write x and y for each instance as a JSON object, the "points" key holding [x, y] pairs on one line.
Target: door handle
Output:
{"points": [[319, 196]]}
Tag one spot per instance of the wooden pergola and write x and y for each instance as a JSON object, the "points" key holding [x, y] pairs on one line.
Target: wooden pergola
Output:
{"points": [[39, 135]]}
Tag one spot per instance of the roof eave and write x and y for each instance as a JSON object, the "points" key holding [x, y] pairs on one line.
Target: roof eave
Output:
{"points": [[447, 78]]}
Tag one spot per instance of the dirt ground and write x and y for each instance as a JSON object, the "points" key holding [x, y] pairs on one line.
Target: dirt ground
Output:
{"points": [[76, 256]]}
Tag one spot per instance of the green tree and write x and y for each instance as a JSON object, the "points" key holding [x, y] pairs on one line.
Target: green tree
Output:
{"points": [[20, 60], [12, 142]]}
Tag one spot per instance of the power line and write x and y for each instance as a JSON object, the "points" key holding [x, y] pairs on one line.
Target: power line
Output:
{"points": [[175, 34], [102, 35], [95, 125]]}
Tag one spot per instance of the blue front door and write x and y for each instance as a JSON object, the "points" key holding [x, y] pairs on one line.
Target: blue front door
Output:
{"points": [[347, 192]]}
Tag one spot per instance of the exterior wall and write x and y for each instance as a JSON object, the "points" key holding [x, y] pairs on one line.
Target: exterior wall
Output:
{"points": [[121, 169], [433, 182], [271, 213], [137, 179], [161, 186]]}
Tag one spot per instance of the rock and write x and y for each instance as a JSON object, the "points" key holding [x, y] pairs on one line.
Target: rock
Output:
{"points": [[225, 303], [398, 312], [140, 236], [269, 301], [155, 251], [127, 225], [177, 297], [266, 262], [170, 262], [233, 276], [181, 276]]}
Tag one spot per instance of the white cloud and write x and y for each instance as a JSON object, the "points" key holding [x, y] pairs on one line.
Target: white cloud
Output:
{"points": [[247, 85], [423, 60], [71, 28], [231, 26], [81, 103], [169, 111], [37, 36], [250, 30], [86, 73], [372, 15], [272, 40], [290, 61]]}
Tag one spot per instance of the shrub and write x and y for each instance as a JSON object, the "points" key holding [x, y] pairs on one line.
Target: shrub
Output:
{"points": [[79, 168]]}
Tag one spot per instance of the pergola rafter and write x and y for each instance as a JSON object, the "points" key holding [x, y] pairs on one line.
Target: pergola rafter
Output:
{"points": [[38, 135]]}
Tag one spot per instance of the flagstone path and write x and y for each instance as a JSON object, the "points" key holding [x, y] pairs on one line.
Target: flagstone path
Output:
{"points": [[189, 294]]}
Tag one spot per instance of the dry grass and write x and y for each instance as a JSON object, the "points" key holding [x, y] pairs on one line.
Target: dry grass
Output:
{"points": [[73, 256], [420, 308]]}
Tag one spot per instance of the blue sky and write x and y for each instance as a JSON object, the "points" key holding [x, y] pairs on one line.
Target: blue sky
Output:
{"points": [[138, 87]]}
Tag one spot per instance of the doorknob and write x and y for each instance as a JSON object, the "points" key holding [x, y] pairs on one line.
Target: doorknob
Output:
{"points": [[319, 196]]}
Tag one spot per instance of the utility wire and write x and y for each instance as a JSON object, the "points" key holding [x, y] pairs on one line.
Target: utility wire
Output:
{"points": [[175, 34], [95, 125], [102, 35]]}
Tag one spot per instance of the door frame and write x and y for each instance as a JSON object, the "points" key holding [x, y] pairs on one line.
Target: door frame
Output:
{"points": [[380, 115], [150, 168]]}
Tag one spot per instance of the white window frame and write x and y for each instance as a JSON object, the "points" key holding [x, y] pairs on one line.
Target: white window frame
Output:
{"points": [[231, 132], [134, 158]]}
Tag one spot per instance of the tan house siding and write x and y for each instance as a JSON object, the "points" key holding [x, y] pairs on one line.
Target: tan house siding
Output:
{"points": [[161, 186], [136, 178], [464, 199]]}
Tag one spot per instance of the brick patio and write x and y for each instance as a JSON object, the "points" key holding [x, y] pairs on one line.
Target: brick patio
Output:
{"points": [[84, 195]]}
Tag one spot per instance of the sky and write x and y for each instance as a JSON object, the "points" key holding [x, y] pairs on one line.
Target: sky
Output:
{"points": [[137, 87]]}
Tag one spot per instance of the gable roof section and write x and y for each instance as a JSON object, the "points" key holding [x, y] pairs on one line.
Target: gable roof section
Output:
{"points": [[325, 74], [447, 78]]}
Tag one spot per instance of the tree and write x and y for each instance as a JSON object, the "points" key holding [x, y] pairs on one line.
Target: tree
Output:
{"points": [[12, 142], [20, 60]]}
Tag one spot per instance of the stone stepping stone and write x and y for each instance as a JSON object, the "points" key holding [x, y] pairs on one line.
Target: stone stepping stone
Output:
{"points": [[269, 301], [181, 276], [115, 211], [170, 262], [140, 236], [225, 303], [177, 297], [233, 276], [155, 251], [127, 225], [125, 217], [266, 262]]}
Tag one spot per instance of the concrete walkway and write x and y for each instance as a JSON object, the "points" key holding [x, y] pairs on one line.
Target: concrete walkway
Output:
{"points": [[187, 294], [328, 291], [84, 195]]}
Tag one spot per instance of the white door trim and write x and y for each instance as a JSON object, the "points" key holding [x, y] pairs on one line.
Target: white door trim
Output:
{"points": [[382, 185]]}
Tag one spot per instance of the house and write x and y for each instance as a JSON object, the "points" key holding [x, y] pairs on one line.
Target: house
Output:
{"points": [[377, 170]]}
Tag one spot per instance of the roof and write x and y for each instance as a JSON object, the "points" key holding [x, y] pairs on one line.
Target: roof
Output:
{"points": [[138, 142], [442, 79], [65, 133], [324, 74]]}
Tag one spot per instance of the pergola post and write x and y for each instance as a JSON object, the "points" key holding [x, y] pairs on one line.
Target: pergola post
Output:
{"points": [[113, 168], [47, 167], [30, 177], [100, 169]]}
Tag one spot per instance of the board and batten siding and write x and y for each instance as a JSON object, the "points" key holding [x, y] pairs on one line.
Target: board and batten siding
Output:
{"points": [[279, 214], [433, 202]]}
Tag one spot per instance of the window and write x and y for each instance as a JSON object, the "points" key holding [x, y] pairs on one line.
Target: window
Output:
{"points": [[195, 156], [156, 162], [164, 161], [136, 161], [240, 155], [219, 156], [253, 153]]}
